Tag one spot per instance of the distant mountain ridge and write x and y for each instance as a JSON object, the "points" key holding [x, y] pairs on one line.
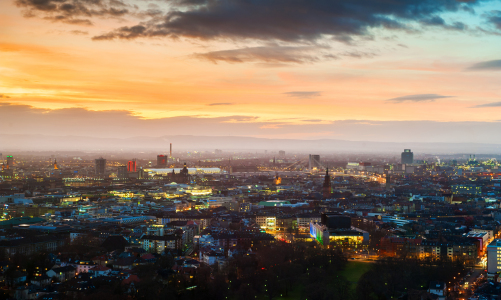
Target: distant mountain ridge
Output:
{"points": [[36, 142]]}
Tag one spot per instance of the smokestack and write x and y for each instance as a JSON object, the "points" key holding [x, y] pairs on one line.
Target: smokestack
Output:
{"points": [[170, 149]]}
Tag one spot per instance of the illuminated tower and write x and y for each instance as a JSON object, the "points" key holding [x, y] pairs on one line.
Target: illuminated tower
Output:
{"points": [[55, 165], [132, 165]]}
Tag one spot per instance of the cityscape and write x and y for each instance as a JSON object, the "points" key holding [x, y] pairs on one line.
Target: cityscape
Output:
{"points": [[250, 150], [249, 225]]}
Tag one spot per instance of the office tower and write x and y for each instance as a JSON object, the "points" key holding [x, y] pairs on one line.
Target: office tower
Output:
{"points": [[281, 153], [132, 166], [170, 153], [161, 160], [100, 166], [494, 257], [122, 172], [10, 160], [1, 157], [314, 161], [218, 151], [407, 157]]}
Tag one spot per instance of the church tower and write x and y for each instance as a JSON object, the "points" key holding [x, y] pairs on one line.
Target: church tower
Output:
{"points": [[327, 188]]}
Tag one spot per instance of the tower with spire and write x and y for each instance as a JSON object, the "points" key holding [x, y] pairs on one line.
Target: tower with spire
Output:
{"points": [[327, 187]]}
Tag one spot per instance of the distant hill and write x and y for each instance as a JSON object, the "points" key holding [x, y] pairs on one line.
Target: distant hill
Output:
{"points": [[37, 142]]}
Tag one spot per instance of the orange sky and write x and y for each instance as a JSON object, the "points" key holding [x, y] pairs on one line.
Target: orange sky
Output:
{"points": [[54, 65]]}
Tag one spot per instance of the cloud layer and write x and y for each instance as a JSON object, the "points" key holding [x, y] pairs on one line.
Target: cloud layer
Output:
{"points": [[493, 104], [79, 12], [491, 65], [123, 124], [303, 95], [417, 98]]}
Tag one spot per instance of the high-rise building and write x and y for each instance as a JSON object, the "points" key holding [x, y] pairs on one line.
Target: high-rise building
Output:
{"points": [[100, 166], [132, 165], [218, 151], [281, 153], [122, 172], [494, 257], [407, 157], [170, 153], [314, 162], [10, 160], [161, 160]]}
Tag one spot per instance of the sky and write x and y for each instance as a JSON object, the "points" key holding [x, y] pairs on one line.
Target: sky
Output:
{"points": [[376, 70]]}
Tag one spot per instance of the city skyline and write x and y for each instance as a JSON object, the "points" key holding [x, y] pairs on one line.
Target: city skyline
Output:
{"points": [[375, 72]]}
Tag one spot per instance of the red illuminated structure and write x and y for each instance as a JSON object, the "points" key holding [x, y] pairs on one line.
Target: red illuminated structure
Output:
{"points": [[132, 166], [161, 160]]}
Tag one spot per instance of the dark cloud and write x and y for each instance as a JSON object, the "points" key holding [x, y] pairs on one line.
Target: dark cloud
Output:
{"points": [[303, 95], [491, 65], [268, 54], [417, 98], [220, 104], [494, 17], [438, 21], [493, 104], [79, 32], [77, 12], [293, 20]]}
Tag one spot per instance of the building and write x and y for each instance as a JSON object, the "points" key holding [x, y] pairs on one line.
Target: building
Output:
{"points": [[267, 222], [31, 245], [407, 157], [314, 162], [494, 257], [352, 238], [132, 166], [159, 244], [281, 153], [303, 220], [10, 160], [335, 221], [191, 171], [466, 189], [161, 160], [100, 166], [439, 289], [122, 172]]}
